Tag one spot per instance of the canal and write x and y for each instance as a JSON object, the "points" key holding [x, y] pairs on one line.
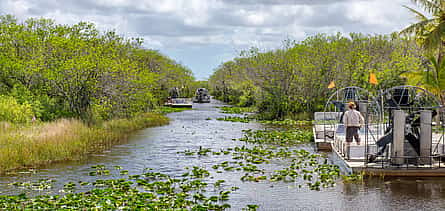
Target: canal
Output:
{"points": [[157, 148]]}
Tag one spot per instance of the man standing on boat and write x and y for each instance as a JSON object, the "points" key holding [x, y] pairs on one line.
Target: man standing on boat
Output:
{"points": [[353, 121]]}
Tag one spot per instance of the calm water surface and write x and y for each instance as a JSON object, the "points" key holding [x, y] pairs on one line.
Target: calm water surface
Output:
{"points": [[157, 148]]}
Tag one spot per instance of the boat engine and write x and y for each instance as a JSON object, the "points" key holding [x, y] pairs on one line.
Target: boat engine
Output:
{"points": [[400, 124]]}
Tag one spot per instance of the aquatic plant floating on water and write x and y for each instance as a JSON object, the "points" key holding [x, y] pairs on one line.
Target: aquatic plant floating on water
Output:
{"points": [[234, 119], [287, 122], [150, 190], [277, 137], [237, 110]]}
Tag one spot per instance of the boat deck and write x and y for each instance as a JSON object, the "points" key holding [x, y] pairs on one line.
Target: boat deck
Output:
{"points": [[380, 169], [357, 161]]}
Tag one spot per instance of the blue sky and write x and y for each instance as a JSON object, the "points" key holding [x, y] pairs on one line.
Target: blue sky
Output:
{"points": [[202, 34]]}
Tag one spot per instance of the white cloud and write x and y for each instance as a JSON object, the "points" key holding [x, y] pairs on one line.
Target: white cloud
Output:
{"points": [[203, 40], [367, 13], [152, 43], [256, 19], [18, 7]]}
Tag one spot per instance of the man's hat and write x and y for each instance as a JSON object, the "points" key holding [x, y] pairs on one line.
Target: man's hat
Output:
{"points": [[351, 105]]}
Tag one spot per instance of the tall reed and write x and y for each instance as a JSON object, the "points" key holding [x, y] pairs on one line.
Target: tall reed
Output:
{"points": [[24, 146]]}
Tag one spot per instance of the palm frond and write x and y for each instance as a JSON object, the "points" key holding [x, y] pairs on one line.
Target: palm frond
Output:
{"points": [[433, 61], [436, 67], [441, 75], [431, 6], [416, 27], [440, 3], [418, 14], [434, 78], [414, 77], [435, 37]]}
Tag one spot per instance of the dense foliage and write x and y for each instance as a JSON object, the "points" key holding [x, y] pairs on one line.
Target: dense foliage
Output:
{"points": [[295, 78], [430, 35], [78, 71]]}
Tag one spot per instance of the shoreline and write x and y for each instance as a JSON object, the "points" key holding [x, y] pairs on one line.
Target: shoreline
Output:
{"points": [[31, 146]]}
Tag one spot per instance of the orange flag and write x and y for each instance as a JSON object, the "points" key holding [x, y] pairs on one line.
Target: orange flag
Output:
{"points": [[331, 85], [373, 79]]}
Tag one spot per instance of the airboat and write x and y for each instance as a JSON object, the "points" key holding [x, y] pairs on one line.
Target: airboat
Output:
{"points": [[179, 103], [201, 96], [403, 135], [176, 101]]}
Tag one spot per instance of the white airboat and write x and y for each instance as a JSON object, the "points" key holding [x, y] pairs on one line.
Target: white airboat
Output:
{"points": [[403, 133]]}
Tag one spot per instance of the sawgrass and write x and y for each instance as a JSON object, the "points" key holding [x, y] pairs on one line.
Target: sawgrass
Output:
{"points": [[25, 146]]}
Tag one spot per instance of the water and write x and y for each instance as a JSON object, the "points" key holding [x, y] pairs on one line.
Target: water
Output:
{"points": [[157, 148]]}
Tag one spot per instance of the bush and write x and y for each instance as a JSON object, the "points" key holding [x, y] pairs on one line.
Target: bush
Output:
{"points": [[12, 111], [44, 107]]}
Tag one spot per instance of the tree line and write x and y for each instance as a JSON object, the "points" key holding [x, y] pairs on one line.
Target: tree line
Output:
{"points": [[295, 78], [50, 71]]}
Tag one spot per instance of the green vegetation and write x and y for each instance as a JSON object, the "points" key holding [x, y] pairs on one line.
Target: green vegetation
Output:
{"points": [[51, 71], [150, 190], [116, 189], [234, 119], [430, 34], [249, 114], [294, 79], [264, 148], [200, 151], [429, 30], [353, 178], [287, 122], [314, 169], [15, 112], [277, 137], [25, 146], [166, 110], [237, 110], [69, 90]]}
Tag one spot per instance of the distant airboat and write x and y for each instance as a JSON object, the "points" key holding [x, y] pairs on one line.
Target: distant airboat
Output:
{"points": [[176, 101], [201, 96]]}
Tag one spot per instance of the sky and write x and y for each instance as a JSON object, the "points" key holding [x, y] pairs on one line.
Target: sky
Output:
{"points": [[202, 34]]}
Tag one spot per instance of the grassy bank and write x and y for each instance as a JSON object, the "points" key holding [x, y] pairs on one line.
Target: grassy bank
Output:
{"points": [[252, 113], [24, 146]]}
